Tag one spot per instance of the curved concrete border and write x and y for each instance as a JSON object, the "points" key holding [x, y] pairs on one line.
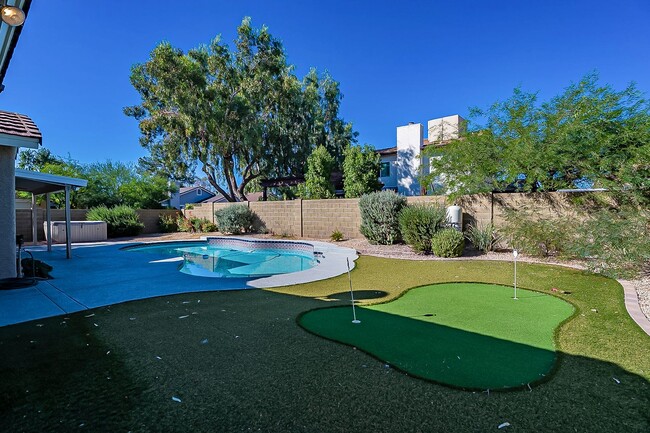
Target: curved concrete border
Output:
{"points": [[332, 262], [633, 307]]}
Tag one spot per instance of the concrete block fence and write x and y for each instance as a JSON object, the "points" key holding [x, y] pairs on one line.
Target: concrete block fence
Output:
{"points": [[149, 218], [319, 218]]}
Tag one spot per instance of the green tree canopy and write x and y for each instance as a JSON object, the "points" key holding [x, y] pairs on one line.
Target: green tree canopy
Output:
{"points": [[588, 135], [361, 171], [318, 176], [109, 183], [239, 114]]}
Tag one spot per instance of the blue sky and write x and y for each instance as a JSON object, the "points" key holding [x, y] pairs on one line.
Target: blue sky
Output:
{"points": [[396, 61]]}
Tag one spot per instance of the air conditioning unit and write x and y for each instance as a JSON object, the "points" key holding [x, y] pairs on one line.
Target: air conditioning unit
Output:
{"points": [[80, 231]]}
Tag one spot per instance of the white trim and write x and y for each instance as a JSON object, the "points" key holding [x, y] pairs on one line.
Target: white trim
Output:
{"points": [[19, 141]]}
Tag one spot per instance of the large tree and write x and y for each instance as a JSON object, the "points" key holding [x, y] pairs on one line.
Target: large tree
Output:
{"points": [[590, 135], [361, 171], [239, 114]]}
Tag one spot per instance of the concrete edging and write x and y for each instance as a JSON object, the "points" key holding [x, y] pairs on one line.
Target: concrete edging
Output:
{"points": [[633, 307]]}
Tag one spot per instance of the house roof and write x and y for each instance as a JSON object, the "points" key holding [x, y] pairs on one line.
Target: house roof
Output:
{"points": [[19, 125], [188, 189], [251, 196]]}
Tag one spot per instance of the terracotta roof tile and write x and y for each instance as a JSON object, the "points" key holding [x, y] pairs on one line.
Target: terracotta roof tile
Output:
{"points": [[18, 125]]}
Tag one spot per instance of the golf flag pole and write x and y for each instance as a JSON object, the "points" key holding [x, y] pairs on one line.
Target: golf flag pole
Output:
{"points": [[354, 312], [515, 254]]}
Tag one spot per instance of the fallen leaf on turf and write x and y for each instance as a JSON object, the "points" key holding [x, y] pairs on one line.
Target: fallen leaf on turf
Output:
{"points": [[176, 399], [504, 424]]}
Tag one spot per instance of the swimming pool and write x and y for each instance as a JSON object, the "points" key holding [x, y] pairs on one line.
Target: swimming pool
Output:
{"points": [[233, 257]]}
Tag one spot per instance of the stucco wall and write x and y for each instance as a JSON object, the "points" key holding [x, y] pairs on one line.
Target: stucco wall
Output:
{"points": [[409, 141], [7, 212]]}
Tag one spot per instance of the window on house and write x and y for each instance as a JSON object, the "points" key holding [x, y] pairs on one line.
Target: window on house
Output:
{"points": [[199, 192], [384, 169]]}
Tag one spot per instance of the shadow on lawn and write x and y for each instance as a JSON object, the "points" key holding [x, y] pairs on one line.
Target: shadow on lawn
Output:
{"points": [[242, 363]]}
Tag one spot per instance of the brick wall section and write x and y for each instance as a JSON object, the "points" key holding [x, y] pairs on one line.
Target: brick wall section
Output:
{"points": [[322, 217], [150, 217], [477, 208], [203, 210], [279, 217]]}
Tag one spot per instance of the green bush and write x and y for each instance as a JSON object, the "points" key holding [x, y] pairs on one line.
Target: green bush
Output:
{"points": [[167, 223], [483, 237], [195, 225], [418, 223], [120, 220], [336, 236], [529, 234], [380, 216], [235, 219], [184, 224], [614, 242], [448, 243], [207, 226]]}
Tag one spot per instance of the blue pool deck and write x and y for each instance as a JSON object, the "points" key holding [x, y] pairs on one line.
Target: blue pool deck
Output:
{"points": [[101, 274]]}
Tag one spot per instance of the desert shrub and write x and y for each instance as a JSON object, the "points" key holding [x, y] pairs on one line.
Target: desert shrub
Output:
{"points": [[540, 237], [195, 225], [483, 237], [336, 236], [120, 220], [380, 216], [614, 242], [448, 243], [207, 226], [184, 224], [167, 223], [235, 219], [418, 223]]}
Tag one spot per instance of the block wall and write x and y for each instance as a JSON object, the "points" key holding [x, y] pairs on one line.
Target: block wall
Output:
{"points": [[319, 218]]}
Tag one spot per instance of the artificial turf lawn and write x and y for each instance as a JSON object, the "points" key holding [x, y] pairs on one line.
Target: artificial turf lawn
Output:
{"points": [[465, 334], [260, 371]]}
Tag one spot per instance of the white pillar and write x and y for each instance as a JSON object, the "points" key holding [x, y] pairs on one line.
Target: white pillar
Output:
{"points": [[7, 212], [409, 143], [34, 221], [48, 218], [68, 226]]}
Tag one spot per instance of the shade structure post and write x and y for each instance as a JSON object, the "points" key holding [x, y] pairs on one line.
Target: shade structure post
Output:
{"points": [[34, 221], [48, 227], [68, 226]]}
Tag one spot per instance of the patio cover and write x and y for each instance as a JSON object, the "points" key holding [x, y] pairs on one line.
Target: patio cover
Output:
{"points": [[44, 183]]}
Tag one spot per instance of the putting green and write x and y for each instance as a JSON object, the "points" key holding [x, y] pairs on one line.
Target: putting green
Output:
{"points": [[468, 335]]}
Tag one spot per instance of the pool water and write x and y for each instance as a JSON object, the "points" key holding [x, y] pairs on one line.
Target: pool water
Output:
{"points": [[206, 260]]}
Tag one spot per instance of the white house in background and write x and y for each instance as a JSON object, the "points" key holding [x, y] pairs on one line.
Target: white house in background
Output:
{"points": [[403, 164], [187, 195]]}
